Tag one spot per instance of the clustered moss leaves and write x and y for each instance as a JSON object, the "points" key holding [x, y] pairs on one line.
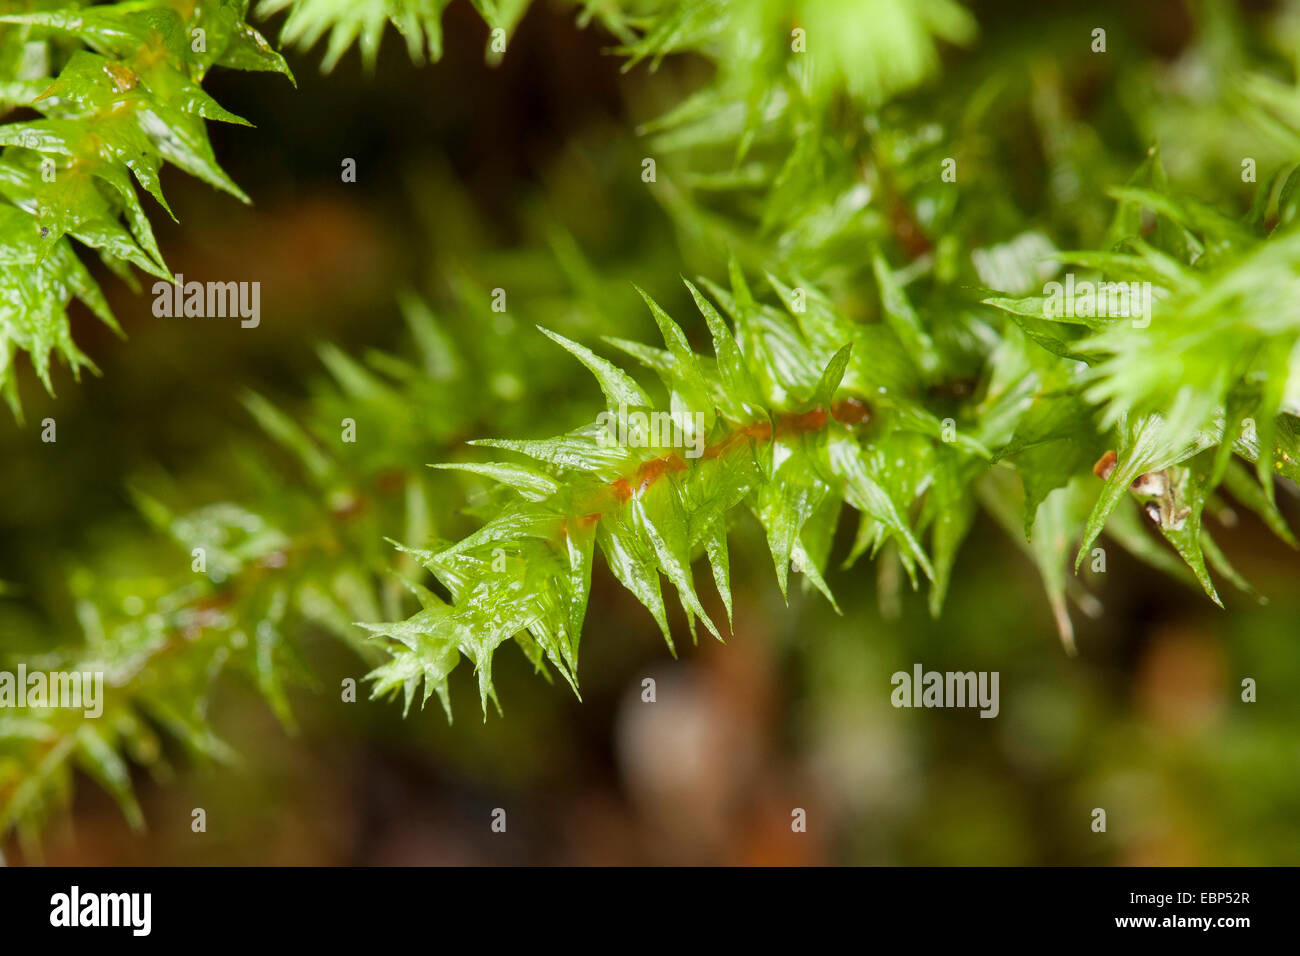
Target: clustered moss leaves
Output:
{"points": [[879, 349], [807, 174]]}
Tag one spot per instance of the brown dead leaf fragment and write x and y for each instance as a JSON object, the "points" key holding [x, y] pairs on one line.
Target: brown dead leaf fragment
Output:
{"points": [[1105, 465]]}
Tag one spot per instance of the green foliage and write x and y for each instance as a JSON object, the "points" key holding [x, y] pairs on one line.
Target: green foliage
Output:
{"points": [[1206, 374], [298, 550], [801, 416], [126, 98], [1050, 398], [419, 22], [242, 577], [764, 424], [901, 363]]}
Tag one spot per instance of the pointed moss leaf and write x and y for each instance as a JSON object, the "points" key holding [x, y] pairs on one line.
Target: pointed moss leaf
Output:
{"points": [[1174, 499], [284, 430], [786, 502], [1046, 467], [953, 507], [1056, 527], [1249, 493], [579, 541], [510, 525], [441, 358], [268, 642], [738, 381], [716, 546], [659, 360], [247, 49], [1145, 448], [1274, 362], [688, 373], [531, 483], [1131, 529], [813, 544], [1219, 561], [861, 473], [657, 516], [902, 318], [1044, 309], [619, 387], [98, 757], [428, 656], [827, 385], [574, 452]]}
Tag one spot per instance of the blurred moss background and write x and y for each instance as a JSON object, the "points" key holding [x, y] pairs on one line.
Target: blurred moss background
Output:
{"points": [[471, 176]]}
